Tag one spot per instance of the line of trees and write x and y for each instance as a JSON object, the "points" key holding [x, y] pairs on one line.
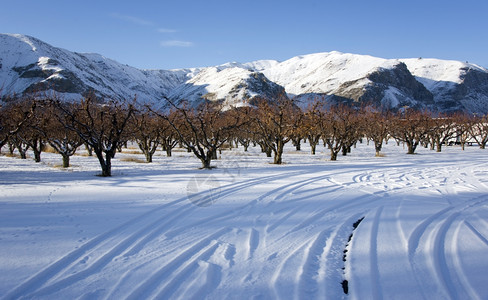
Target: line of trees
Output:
{"points": [[104, 127]]}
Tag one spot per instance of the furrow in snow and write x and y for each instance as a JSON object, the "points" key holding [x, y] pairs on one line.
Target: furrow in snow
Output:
{"points": [[152, 284]]}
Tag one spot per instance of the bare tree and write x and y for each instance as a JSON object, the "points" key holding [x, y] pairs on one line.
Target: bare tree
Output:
{"points": [[146, 132], [338, 127], [169, 138], [33, 134], [411, 127], [479, 130], [442, 129], [376, 126], [311, 125], [13, 116], [203, 129], [276, 123], [59, 137], [101, 126]]}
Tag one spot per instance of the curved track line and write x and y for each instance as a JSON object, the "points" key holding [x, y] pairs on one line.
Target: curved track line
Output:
{"points": [[461, 274], [280, 293], [476, 232], [38, 280], [373, 252], [308, 281], [151, 285]]}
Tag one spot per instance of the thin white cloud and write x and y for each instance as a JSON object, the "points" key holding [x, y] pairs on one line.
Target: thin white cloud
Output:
{"points": [[176, 43], [166, 30], [131, 19]]}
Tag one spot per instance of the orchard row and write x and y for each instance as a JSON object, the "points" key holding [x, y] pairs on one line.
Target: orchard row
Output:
{"points": [[205, 129]]}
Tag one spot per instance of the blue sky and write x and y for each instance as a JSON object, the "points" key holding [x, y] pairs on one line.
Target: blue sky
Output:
{"points": [[187, 33]]}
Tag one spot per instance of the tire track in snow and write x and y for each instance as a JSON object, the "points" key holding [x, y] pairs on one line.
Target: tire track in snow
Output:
{"points": [[461, 274], [439, 257], [184, 262], [312, 270], [283, 291], [476, 232], [234, 212], [135, 241], [373, 252], [441, 225]]}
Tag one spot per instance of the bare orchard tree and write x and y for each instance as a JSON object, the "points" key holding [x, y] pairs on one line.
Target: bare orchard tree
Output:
{"points": [[33, 134], [411, 127], [13, 116], [146, 132], [203, 129], [311, 125], [376, 126], [169, 137], [339, 127], [59, 137], [101, 126], [479, 130], [443, 128], [276, 122]]}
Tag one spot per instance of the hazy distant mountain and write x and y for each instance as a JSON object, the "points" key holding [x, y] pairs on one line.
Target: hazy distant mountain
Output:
{"points": [[28, 64]]}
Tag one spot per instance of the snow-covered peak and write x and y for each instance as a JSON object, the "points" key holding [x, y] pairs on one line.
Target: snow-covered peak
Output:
{"points": [[28, 64], [430, 71], [323, 72], [233, 85]]}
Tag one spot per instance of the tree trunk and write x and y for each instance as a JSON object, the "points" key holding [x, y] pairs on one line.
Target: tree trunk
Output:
{"points": [[313, 146], [168, 151], [297, 144], [107, 170], [22, 151], [206, 160], [268, 151], [89, 150], [11, 148], [37, 154], [149, 156], [333, 155], [105, 163], [378, 145], [278, 153], [65, 160], [411, 146]]}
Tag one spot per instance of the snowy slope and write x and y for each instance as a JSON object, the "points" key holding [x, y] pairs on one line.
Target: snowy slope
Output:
{"points": [[28, 63], [247, 229], [232, 85], [452, 83], [323, 72]]}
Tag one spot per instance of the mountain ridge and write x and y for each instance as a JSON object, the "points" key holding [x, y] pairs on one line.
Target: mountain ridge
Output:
{"points": [[28, 64]]}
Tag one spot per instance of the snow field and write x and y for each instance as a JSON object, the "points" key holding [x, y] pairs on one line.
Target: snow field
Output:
{"points": [[247, 229]]}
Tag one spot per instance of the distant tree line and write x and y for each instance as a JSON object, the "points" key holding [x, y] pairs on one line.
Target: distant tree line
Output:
{"points": [[105, 127]]}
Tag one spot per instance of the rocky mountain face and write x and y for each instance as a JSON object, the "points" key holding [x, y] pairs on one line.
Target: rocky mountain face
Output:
{"points": [[30, 65]]}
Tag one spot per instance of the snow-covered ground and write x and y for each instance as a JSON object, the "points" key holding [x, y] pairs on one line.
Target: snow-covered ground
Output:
{"points": [[247, 229]]}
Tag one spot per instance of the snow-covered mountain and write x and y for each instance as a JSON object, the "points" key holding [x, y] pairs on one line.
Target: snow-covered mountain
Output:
{"points": [[233, 85], [28, 64], [341, 77]]}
